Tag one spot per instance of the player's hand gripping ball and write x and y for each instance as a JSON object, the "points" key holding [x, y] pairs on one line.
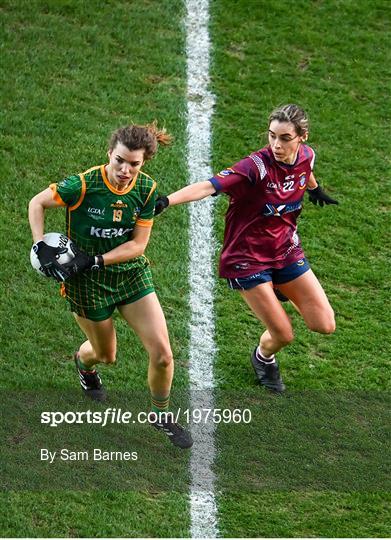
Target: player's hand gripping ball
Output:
{"points": [[48, 255]]}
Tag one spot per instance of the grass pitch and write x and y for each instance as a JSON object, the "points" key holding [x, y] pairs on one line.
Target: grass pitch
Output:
{"points": [[329, 57], [73, 72]]}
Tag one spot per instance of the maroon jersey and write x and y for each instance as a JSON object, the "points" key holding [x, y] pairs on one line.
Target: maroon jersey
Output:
{"points": [[265, 202]]}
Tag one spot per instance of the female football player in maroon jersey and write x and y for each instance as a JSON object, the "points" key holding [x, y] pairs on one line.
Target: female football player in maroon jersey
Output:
{"points": [[262, 255]]}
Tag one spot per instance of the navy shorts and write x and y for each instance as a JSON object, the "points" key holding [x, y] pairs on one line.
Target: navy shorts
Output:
{"points": [[276, 275]]}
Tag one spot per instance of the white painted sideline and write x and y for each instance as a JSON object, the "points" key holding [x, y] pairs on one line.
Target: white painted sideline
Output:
{"points": [[202, 325]]}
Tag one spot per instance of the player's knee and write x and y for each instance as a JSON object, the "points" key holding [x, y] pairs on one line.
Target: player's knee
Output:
{"points": [[284, 336], [324, 326], [108, 358], [328, 327], [163, 359], [287, 338]]}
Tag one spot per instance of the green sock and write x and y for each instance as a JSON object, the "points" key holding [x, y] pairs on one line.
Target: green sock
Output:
{"points": [[83, 366], [160, 404]]}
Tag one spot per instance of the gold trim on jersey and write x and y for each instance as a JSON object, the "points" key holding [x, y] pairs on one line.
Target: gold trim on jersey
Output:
{"points": [[63, 291], [56, 195], [144, 222], [152, 190], [91, 169], [111, 187], [82, 194], [78, 203]]}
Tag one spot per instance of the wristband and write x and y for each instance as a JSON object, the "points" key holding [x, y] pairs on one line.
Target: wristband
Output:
{"points": [[99, 262], [36, 246]]}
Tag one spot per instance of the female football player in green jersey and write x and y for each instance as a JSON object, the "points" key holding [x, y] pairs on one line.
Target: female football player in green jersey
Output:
{"points": [[109, 216]]}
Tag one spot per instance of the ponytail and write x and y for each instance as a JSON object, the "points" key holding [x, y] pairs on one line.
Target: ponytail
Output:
{"points": [[162, 137], [141, 137]]}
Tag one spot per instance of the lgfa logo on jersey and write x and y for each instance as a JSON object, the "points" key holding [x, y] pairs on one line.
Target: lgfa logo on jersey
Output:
{"points": [[96, 211], [302, 180]]}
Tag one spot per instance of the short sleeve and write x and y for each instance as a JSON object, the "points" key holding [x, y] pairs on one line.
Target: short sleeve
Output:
{"points": [[235, 180], [226, 181], [145, 218], [68, 191]]}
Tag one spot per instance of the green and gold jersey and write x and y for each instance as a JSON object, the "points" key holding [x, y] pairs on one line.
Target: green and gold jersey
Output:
{"points": [[98, 219]]}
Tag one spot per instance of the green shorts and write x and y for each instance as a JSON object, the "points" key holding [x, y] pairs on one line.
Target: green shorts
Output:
{"points": [[101, 314], [95, 295]]}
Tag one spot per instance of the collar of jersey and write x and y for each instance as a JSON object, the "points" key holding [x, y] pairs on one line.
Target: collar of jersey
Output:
{"points": [[111, 187]]}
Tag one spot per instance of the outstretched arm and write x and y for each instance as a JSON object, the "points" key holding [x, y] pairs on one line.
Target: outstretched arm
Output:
{"points": [[193, 192]]}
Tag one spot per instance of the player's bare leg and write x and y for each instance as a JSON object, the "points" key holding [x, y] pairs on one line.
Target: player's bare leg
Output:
{"points": [[101, 344], [146, 317], [311, 302], [100, 347], [265, 305]]}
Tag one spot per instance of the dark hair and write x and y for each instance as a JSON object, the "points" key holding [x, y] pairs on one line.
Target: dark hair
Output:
{"points": [[136, 137], [291, 113]]}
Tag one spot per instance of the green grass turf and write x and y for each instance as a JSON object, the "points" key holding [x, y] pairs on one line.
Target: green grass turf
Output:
{"points": [[73, 72], [103, 514], [331, 58], [305, 514]]}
